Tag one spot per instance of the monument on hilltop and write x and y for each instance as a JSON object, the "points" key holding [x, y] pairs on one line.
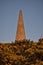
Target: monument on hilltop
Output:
{"points": [[20, 33]]}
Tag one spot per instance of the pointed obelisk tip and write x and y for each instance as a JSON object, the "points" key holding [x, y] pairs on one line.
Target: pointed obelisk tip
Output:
{"points": [[20, 13], [20, 35], [20, 10]]}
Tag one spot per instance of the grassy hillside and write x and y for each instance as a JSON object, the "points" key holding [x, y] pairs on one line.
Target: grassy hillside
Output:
{"points": [[22, 53]]}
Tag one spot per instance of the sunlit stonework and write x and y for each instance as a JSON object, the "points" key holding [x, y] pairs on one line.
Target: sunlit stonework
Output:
{"points": [[20, 34]]}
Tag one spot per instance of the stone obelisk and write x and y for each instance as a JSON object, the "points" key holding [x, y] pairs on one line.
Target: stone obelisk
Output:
{"points": [[20, 33]]}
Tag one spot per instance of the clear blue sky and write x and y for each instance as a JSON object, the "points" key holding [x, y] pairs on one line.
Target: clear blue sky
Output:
{"points": [[32, 15]]}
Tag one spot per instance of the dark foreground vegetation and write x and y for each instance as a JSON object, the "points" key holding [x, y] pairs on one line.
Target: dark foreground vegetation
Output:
{"points": [[22, 53]]}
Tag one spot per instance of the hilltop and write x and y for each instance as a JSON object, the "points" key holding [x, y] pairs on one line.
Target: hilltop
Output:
{"points": [[24, 52]]}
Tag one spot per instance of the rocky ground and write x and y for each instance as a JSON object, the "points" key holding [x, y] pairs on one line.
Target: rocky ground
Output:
{"points": [[21, 53]]}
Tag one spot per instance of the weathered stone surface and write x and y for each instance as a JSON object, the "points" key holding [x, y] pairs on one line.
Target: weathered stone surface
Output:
{"points": [[20, 35]]}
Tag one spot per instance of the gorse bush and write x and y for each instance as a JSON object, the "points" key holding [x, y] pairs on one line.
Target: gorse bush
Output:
{"points": [[24, 52]]}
